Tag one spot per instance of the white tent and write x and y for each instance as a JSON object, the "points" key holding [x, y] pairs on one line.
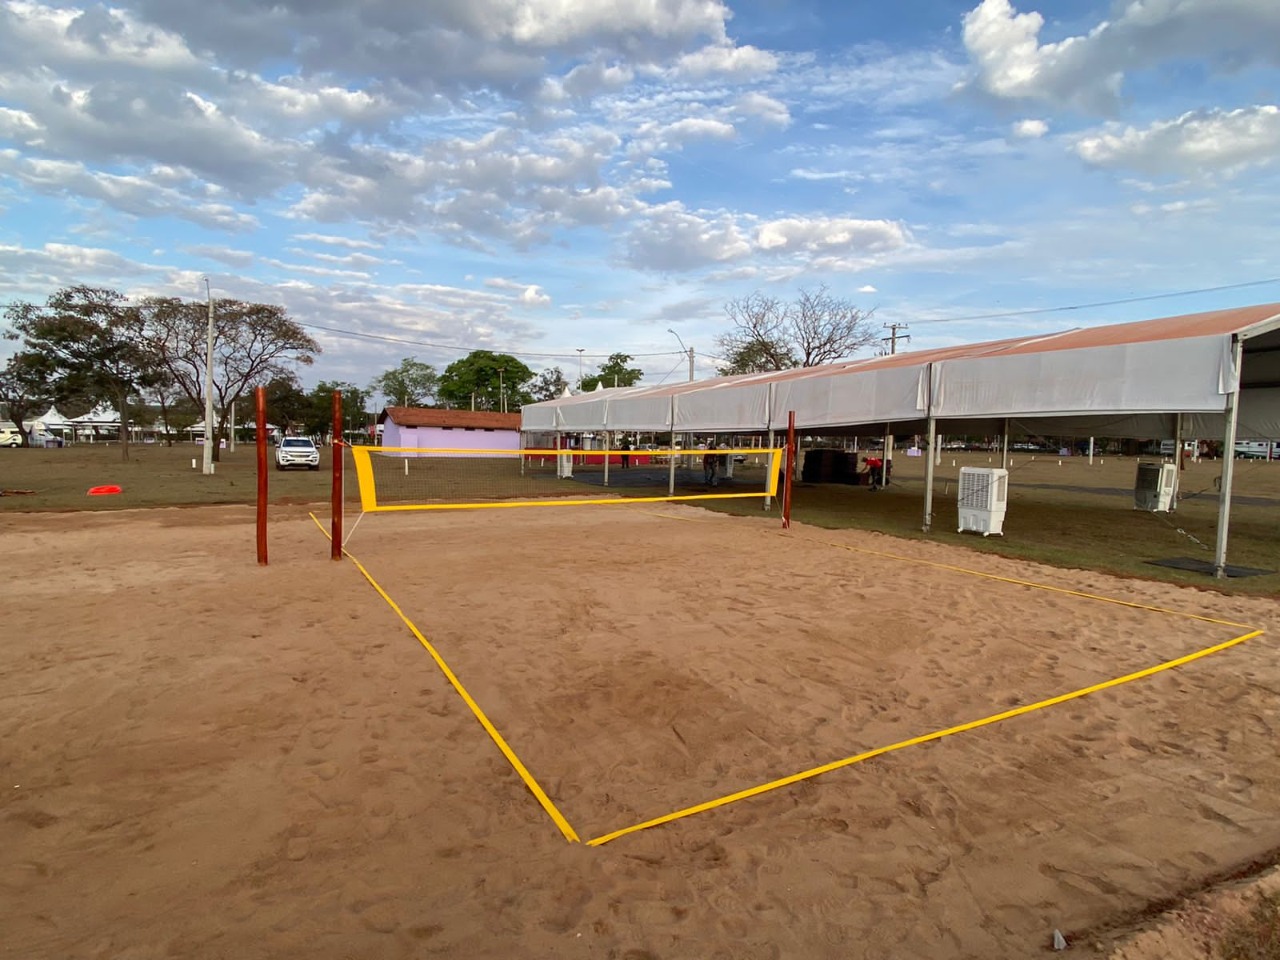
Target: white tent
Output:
{"points": [[1200, 375]]}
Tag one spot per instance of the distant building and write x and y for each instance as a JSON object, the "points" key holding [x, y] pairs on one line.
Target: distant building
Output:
{"points": [[449, 429]]}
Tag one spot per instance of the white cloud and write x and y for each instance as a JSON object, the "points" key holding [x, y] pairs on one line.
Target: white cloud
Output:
{"points": [[669, 237], [867, 288], [532, 296], [765, 108], [335, 241], [1195, 144], [726, 60], [1030, 129], [830, 236], [1087, 71]]}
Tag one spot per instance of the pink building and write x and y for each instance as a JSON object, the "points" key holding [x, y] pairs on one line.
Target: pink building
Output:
{"points": [[449, 429]]}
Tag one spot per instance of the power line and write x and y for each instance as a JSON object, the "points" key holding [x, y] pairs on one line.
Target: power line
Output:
{"points": [[453, 346], [1102, 303]]}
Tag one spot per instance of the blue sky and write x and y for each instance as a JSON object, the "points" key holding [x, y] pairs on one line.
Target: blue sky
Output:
{"points": [[539, 176]]}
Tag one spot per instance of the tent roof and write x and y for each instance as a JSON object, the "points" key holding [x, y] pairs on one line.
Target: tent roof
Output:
{"points": [[1128, 374]]}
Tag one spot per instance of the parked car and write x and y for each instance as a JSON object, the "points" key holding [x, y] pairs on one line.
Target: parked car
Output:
{"points": [[297, 452], [10, 438], [1256, 450]]}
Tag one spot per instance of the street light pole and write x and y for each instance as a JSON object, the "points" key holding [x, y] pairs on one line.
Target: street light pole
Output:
{"points": [[208, 386], [580, 349], [502, 392]]}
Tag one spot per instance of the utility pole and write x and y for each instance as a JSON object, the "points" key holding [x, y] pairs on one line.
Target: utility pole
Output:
{"points": [[208, 387], [894, 336], [580, 349], [684, 349]]}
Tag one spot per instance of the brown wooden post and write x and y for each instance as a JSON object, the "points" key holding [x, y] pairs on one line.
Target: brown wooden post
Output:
{"points": [[260, 414], [335, 504], [790, 469]]}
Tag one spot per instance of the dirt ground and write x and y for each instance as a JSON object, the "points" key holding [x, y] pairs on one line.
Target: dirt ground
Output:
{"points": [[204, 758]]}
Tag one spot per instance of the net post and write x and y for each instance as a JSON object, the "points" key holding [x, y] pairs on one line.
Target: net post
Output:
{"points": [[335, 498], [790, 469], [260, 415]]}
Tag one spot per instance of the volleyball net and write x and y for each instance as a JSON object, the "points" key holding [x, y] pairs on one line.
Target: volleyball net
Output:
{"points": [[414, 478]]}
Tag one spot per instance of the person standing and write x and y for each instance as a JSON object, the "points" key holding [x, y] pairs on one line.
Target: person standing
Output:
{"points": [[626, 453]]}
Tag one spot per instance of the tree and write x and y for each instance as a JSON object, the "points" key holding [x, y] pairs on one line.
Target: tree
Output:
{"points": [[484, 380], [176, 410], [25, 389], [769, 334], [755, 357], [253, 343], [320, 404], [86, 337], [614, 372], [287, 405], [412, 384], [549, 384]]}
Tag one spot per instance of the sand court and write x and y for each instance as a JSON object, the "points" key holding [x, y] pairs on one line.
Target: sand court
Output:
{"points": [[677, 671], [207, 758]]}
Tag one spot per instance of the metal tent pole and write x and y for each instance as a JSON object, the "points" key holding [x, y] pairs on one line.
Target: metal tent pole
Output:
{"points": [[1004, 446], [1228, 461], [671, 470], [608, 443], [928, 476], [768, 422], [1177, 460]]}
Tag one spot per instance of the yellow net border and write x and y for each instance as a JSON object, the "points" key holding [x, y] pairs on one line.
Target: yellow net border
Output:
{"points": [[363, 459]]}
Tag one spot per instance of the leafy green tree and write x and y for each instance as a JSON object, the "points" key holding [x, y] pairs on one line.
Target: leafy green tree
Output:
{"points": [[288, 406], [548, 385], [320, 404], [25, 389], [253, 343], [87, 338], [614, 372], [412, 384], [487, 381]]}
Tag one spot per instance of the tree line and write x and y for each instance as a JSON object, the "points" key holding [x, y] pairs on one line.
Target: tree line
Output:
{"points": [[87, 345]]}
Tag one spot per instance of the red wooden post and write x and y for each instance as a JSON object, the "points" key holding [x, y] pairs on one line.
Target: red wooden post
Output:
{"points": [[260, 414], [790, 469], [335, 502]]}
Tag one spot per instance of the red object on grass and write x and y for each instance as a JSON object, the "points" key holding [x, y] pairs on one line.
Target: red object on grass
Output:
{"points": [[103, 490]]}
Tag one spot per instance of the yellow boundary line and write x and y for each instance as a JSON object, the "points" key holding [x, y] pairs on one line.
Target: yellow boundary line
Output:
{"points": [[915, 741], [569, 833], [794, 778]]}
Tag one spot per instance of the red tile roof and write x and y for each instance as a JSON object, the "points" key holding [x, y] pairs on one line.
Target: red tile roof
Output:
{"points": [[476, 419]]}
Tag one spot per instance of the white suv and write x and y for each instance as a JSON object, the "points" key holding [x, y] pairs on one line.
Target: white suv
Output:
{"points": [[297, 452]]}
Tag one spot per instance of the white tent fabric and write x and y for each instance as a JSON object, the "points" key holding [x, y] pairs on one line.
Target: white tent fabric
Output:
{"points": [[1125, 380], [1200, 375]]}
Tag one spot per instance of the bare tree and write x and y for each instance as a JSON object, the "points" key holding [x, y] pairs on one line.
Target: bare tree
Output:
{"points": [[814, 329], [252, 344]]}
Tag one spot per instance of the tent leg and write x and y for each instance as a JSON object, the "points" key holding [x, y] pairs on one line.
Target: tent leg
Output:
{"points": [[1004, 447], [608, 443], [928, 476], [1177, 459], [1228, 466], [885, 458], [768, 501]]}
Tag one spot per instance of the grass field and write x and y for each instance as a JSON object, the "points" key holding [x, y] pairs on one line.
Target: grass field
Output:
{"points": [[1063, 512]]}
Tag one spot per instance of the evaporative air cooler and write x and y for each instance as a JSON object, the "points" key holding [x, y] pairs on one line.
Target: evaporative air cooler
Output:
{"points": [[1154, 485], [984, 493]]}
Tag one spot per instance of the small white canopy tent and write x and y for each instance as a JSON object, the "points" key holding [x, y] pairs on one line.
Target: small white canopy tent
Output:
{"points": [[1207, 374]]}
